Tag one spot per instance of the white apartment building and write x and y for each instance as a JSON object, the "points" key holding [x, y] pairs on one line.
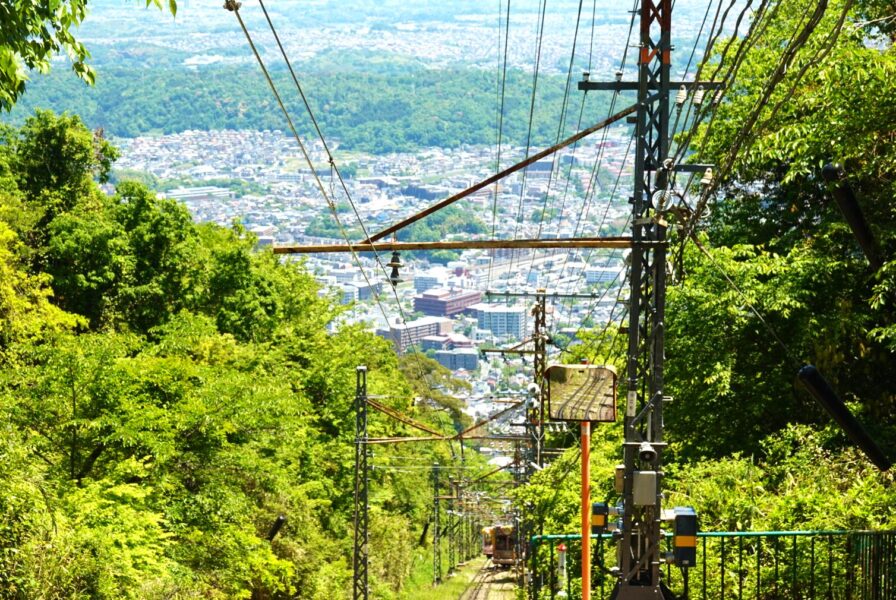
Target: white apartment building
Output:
{"points": [[502, 320]]}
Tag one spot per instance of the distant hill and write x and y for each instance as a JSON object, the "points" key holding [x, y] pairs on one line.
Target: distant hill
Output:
{"points": [[394, 109]]}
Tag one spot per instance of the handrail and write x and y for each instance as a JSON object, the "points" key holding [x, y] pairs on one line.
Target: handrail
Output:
{"points": [[538, 539]]}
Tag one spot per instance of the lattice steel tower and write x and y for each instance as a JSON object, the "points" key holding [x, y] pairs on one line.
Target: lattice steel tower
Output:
{"points": [[639, 574], [360, 588]]}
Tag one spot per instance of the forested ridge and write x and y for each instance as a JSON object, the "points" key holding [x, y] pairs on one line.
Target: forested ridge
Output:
{"points": [[379, 111]]}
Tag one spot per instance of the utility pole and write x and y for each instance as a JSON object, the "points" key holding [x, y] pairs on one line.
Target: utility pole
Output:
{"points": [[452, 540], [540, 337], [436, 555], [639, 573], [535, 416], [360, 589]]}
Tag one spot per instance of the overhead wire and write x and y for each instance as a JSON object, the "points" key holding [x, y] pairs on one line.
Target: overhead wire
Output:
{"points": [[500, 127], [758, 24], [235, 8], [687, 68], [592, 182], [797, 41], [693, 54], [823, 50], [540, 37], [611, 256], [771, 331], [560, 127], [749, 134]]}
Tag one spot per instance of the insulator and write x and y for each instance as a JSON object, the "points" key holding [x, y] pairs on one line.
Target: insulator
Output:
{"points": [[395, 263], [661, 198], [682, 96], [698, 96], [586, 76], [720, 94], [706, 180], [618, 75]]}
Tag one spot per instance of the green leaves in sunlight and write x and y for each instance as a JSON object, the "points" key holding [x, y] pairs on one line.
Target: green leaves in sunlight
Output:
{"points": [[166, 391], [33, 33]]}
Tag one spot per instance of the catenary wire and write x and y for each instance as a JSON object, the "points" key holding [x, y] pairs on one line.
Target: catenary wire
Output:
{"points": [[235, 8]]}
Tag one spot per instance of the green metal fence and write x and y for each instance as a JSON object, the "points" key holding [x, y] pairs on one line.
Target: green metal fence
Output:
{"points": [[762, 565]]}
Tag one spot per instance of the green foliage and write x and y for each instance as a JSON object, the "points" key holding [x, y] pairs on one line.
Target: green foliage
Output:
{"points": [[34, 32], [26, 312], [368, 110], [775, 231], [435, 386], [788, 486], [166, 391]]}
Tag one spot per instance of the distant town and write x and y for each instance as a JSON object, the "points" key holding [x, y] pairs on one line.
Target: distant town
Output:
{"points": [[449, 311]]}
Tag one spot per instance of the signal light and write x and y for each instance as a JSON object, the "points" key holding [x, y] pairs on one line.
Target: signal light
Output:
{"points": [[599, 512], [685, 540]]}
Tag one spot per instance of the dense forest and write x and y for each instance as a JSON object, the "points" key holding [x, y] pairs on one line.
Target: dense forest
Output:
{"points": [[386, 110], [774, 279], [166, 391]]}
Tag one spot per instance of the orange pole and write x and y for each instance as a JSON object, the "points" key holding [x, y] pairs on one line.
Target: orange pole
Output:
{"points": [[586, 510]]}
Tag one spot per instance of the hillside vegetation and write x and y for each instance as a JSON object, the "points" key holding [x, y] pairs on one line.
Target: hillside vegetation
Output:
{"points": [[166, 392], [384, 110]]}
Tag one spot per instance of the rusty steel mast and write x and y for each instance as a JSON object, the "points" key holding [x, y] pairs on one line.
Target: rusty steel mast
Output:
{"points": [[639, 575]]}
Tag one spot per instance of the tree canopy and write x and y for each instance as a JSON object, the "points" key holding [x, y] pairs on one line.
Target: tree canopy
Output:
{"points": [[32, 33], [166, 391]]}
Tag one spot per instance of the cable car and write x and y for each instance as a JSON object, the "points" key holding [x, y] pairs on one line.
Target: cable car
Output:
{"points": [[488, 541], [504, 545]]}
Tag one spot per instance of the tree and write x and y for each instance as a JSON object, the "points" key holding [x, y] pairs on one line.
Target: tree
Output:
{"points": [[32, 33], [26, 311], [58, 157], [775, 232], [436, 386]]}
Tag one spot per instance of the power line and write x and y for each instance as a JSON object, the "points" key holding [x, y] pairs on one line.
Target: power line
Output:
{"points": [[543, 6], [797, 41], [234, 7], [348, 196], [500, 126], [560, 127], [746, 301], [590, 190]]}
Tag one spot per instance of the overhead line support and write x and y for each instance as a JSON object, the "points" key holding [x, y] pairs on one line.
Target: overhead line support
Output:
{"points": [[639, 570], [360, 587], [499, 295], [639, 574], [633, 86], [436, 553], [386, 246], [502, 174]]}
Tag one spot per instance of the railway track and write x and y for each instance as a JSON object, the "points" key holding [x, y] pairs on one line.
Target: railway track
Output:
{"points": [[491, 583]]}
